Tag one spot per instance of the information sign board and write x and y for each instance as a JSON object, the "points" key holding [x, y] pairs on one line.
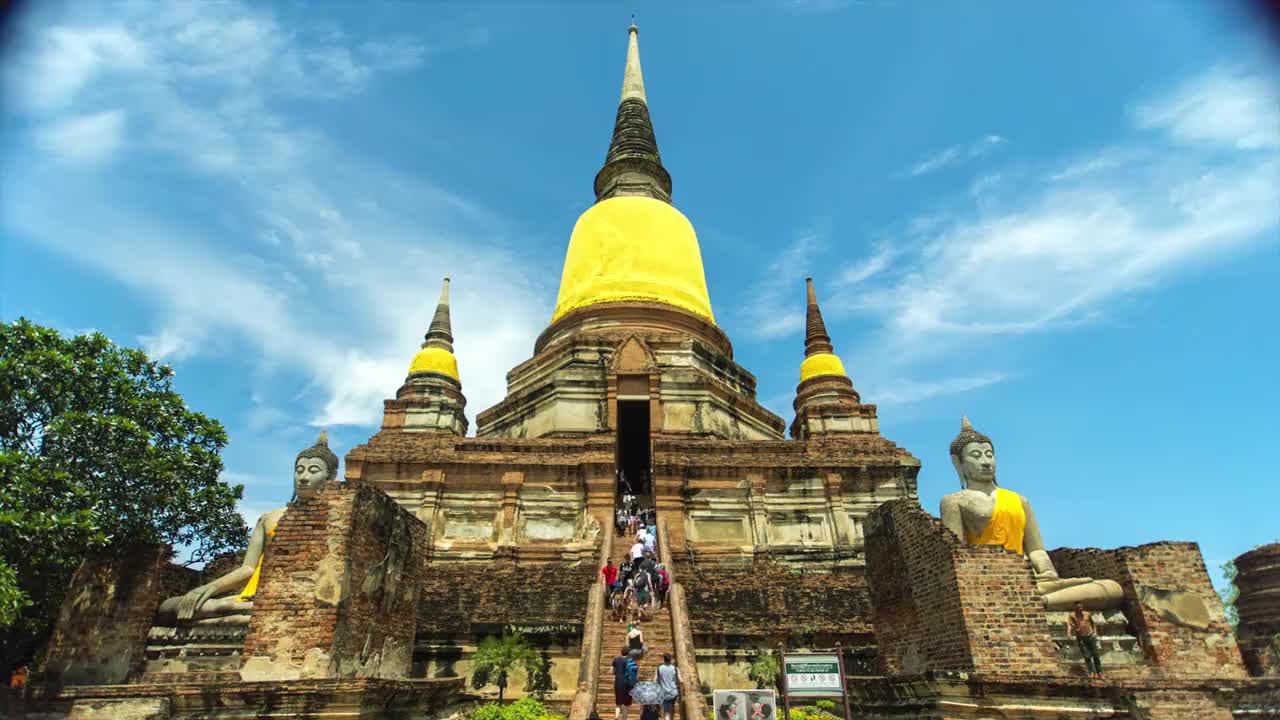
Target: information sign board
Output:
{"points": [[813, 675]]}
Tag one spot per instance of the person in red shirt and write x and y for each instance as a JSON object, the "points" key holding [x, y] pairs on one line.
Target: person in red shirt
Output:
{"points": [[610, 572]]}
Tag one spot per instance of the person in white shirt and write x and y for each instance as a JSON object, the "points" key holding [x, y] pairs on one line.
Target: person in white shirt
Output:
{"points": [[637, 550]]}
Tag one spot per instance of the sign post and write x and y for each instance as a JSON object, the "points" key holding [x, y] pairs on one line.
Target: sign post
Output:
{"points": [[813, 675]]}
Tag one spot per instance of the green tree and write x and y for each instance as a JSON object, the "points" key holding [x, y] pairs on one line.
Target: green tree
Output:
{"points": [[96, 449], [1230, 593], [497, 657], [764, 670]]}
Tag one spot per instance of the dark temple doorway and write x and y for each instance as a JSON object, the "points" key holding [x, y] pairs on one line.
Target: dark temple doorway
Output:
{"points": [[633, 449]]}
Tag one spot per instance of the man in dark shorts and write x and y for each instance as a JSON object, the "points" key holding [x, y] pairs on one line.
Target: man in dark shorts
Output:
{"points": [[622, 683], [1080, 628]]}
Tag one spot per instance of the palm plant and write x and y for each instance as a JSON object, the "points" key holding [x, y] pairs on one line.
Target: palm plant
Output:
{"points": [[764, 670], [497, 657]]}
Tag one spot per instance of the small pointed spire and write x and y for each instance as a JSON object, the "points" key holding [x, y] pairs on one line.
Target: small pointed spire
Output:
{"points": [[816, 339], [440, 332], [633, 78], [964, 423], [633, 165]]}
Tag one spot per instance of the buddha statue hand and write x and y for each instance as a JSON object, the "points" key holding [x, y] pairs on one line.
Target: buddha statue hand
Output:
{"points": [[193, 601]]}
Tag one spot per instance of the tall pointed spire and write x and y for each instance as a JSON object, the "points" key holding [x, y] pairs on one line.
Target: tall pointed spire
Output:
{"points": [[826, 403], [436, 356], [632, 78], [431, 399], [816, 339], [440, 332], [633, 165], [819, 355]]}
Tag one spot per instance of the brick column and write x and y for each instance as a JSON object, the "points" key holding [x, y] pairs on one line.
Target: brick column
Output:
{"points": [[940, 604], [1258, 579], [339, 590], [101, 634]]}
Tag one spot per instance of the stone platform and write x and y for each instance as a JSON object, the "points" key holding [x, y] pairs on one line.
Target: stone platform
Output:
{"points": [[332, 699], [954, 695]]}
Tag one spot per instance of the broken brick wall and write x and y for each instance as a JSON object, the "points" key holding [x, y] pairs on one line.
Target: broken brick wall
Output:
{"points": [[338, 591], [1258, 579], [101, 632], [940, 604], [1170, 602]]}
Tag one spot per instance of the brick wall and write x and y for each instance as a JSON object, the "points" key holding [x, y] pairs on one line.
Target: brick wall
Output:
{"points": [[765, 598], [456, 594], [940, 604], [1170, 602], [337, 596], [1258, 579], [101, 631], [386, 561]]}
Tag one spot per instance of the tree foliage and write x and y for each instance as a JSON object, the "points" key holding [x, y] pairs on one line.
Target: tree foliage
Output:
{"points": [[1229, 593], [96, 448], [764, 670], [498, 656]]}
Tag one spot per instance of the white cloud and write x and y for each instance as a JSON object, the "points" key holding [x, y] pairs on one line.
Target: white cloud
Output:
{"points": [[88, 138], [1232, 106], [956, 154], [68, 58], [866, 268], [1018, 252], [342, 286], [904, 391], [770, 314]]}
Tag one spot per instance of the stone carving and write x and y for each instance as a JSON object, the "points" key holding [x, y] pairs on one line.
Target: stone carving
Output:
{"points": [[229, 598], [1184, 607], [984, 514]]}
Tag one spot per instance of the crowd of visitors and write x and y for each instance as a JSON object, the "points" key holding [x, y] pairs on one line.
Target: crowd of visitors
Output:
{"points": [[637, 589], [629, 518], [664, 690], [639, 586]]}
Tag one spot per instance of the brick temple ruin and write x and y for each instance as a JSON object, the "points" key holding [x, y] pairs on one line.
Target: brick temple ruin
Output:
{"points": [[375, 592]]}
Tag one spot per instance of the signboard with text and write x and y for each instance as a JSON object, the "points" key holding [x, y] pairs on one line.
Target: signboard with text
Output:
{"points": [[813, 675]]}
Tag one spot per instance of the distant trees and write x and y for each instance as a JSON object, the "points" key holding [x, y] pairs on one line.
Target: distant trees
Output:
{"points": [[96, 448]]}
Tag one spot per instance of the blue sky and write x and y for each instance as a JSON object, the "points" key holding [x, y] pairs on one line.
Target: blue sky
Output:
{"points": [[1061, 220]]}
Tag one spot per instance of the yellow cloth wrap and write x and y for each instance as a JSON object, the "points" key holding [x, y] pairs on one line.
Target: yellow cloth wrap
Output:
{"points": [[820, 364], [633, 249], [435, 360], [251, 587], [1008, 520]]}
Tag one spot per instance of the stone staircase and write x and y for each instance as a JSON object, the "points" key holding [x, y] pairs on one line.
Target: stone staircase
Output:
{"points": [[657, 636]]}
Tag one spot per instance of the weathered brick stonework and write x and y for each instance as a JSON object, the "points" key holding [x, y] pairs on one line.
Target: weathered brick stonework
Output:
{"points": [[1170, 602], [338, 595], [940, 604], [1258, 579], [457, 594], [101, 632], [984, 696], [767, 599]]}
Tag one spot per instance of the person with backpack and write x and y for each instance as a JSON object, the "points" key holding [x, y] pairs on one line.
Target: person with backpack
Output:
{"points": [[635, 640], [625, 675], [644, 591], [668, 679]]}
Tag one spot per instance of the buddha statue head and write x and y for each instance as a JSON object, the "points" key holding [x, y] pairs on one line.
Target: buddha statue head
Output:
{"points": [[314, 467], [973, 455]]}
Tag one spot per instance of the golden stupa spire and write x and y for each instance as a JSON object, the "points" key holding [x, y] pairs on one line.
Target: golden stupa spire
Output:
{"points": [[819, 355], [436, 356]]}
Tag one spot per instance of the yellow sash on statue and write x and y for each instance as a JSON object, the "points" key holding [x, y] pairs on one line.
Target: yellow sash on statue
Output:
{"points": [[251, 587], [1008, 520]]}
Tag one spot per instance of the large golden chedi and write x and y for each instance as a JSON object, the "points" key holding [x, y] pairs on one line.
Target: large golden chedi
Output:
{"points": [[633, 248]]}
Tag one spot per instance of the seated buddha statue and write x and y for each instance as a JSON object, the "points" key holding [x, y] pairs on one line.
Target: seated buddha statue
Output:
{"points": [[982, 513], [228, 599]]}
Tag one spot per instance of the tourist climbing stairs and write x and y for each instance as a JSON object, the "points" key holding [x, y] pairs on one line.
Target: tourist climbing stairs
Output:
{"points": [[657, 636]]}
